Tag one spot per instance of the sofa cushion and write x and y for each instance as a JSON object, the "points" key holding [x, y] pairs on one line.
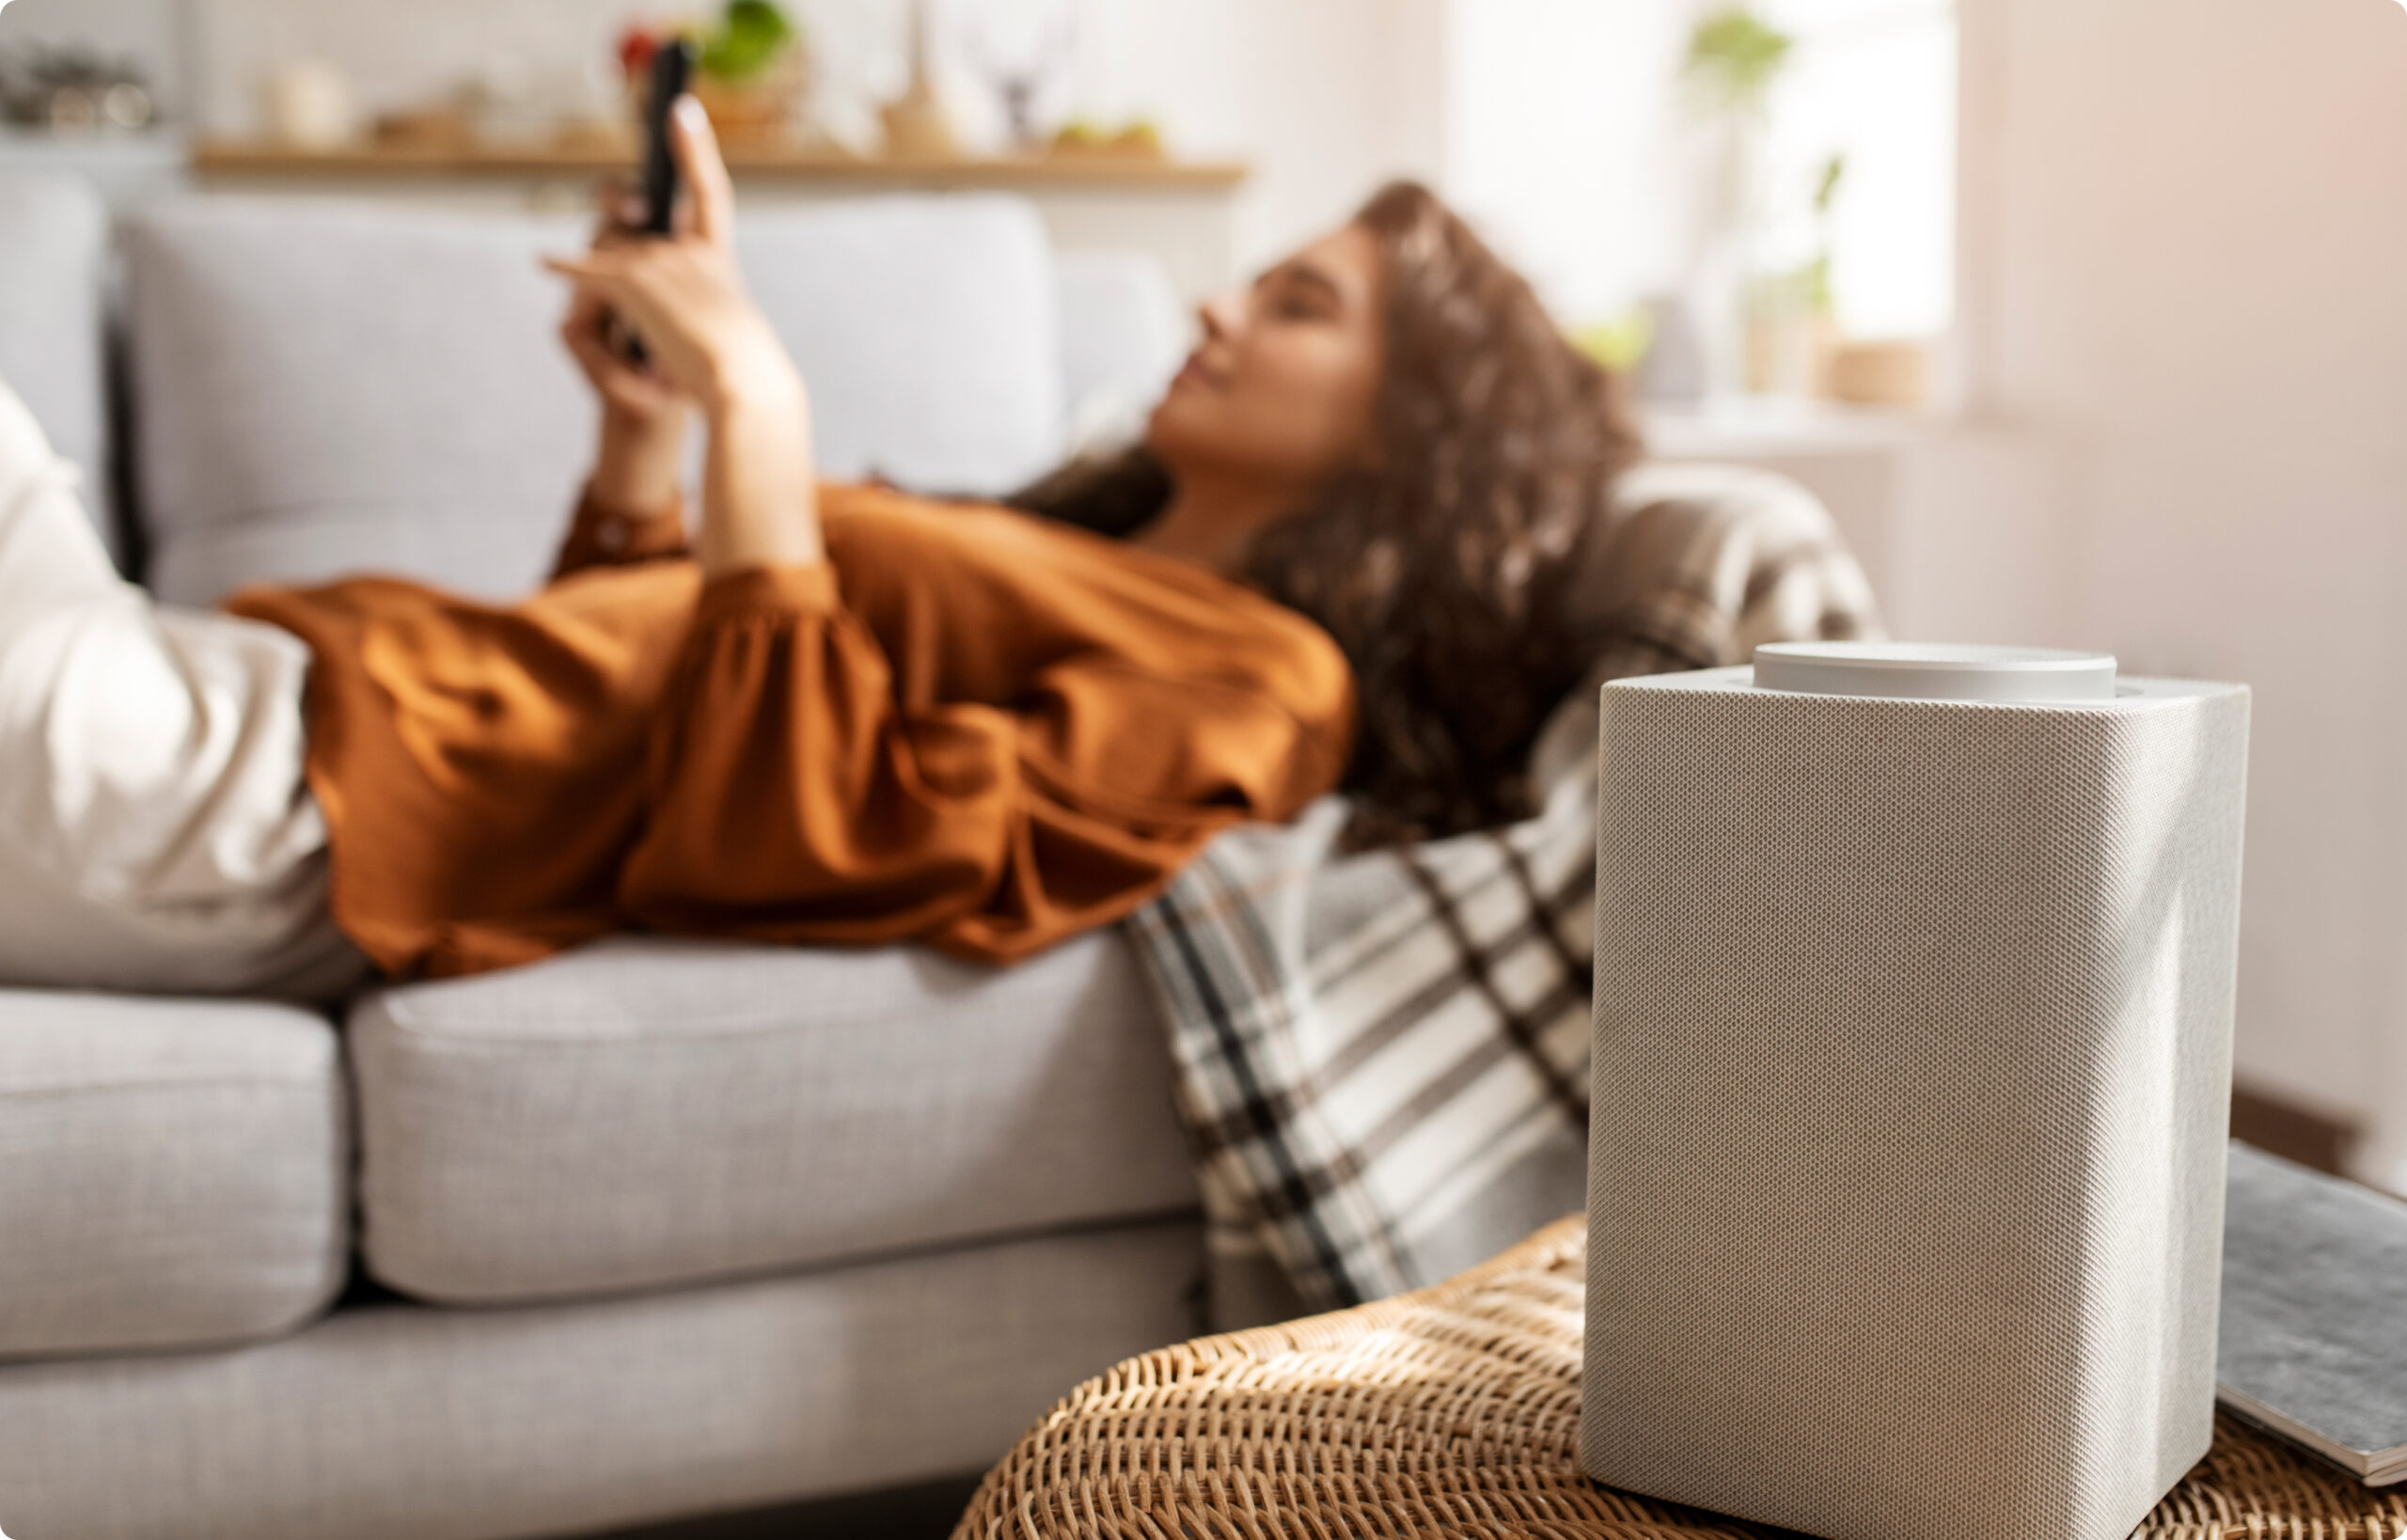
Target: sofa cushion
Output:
{"points": [[324, 387], [176, 1171], [929, 330], [53, 268], [1123, 336], [404, 1422], [645, 1111]]}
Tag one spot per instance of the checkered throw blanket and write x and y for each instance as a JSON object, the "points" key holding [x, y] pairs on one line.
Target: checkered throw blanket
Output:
{"points": [[1382, 1058]]}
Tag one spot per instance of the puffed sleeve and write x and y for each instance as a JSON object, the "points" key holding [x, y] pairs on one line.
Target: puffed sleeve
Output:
{"points": [[792, 797], [602, 537]]}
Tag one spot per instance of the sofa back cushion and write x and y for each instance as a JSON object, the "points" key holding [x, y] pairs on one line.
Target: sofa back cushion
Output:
{"points": [[53, 268], [320, 389], [1124, 334]]}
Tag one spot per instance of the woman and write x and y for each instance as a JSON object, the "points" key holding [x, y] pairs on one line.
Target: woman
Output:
{"points": [[836, 713]]}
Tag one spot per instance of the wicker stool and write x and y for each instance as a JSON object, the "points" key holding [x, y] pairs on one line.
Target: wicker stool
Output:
{"points": [[1455, 1411]]}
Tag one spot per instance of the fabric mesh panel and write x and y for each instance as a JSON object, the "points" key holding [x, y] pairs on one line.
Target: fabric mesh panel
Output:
{"points": [[1908, 1102]]}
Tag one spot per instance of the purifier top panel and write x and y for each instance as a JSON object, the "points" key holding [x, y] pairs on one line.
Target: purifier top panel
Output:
{"points": [[1935, 671]]}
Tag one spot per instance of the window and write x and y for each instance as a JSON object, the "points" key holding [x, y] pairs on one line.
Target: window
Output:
{"points": [[1872, 81]]}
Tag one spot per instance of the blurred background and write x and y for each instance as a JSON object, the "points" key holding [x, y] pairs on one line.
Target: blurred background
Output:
{"points": [[2089, 321]]}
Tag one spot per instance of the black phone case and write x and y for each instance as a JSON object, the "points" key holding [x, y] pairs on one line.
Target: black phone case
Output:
{"points": [[672, 66]]}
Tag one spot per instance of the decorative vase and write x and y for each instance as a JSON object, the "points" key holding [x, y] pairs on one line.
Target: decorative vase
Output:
{"points": [[1716, 291], [917, 128]]}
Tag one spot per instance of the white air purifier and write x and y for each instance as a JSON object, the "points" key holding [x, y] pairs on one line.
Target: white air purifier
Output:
{"points": [[1913, 995]]}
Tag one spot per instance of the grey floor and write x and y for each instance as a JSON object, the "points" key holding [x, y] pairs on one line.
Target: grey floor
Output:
{"points": [[909, 1513]]}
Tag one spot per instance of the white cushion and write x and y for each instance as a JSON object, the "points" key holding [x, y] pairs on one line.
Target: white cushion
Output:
{"points": [[54, 269], [928, 329], [645, 1112], [324, 387], [404, 1422], [172, 1172], [1123, 336]]}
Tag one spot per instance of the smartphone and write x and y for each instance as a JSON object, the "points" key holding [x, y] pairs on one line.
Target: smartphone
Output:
{"points": [[672, 66]]}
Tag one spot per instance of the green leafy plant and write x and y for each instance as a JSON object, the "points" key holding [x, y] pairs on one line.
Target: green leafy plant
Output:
{"points": [[1805, 289], [1618, 342], [1813, 278], [746, 40], [1826, 186], [1733, 59]]}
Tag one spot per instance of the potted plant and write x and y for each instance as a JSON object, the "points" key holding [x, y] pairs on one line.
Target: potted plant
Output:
{"points": [[1791, 328], [751, 68]]}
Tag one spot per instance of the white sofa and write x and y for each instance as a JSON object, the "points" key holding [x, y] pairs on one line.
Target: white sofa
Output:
{"points": [[739, 1226]]}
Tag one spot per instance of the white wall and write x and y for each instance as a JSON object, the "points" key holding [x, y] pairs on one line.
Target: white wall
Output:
{"points": [[1558, 141], [1324, 97], [2190, 220]]}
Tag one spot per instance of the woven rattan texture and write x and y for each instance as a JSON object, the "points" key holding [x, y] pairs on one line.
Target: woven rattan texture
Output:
{"points": [[1456, 1412]]}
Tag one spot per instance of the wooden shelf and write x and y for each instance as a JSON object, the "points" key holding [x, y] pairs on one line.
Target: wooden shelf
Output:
{"points": [[251, 159]]}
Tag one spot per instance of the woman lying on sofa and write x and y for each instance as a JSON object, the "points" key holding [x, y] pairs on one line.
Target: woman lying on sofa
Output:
{"points": [[824, 714]]}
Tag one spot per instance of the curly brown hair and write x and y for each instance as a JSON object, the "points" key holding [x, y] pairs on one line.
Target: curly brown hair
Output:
{"points": [[1439, 568]]}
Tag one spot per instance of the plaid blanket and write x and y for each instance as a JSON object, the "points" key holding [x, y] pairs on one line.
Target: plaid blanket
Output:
{"points": [[1382, 1058]]}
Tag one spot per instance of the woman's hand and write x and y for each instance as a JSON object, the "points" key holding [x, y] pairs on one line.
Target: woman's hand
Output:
{"points": [[597, 339], [682, 293], [705, 342], [643, 422], [642, 449]]}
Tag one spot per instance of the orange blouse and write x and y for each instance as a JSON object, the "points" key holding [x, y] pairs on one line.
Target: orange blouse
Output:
{"points": [[970, 726]]}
